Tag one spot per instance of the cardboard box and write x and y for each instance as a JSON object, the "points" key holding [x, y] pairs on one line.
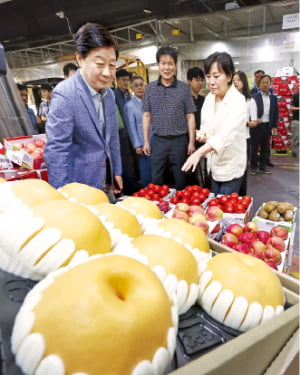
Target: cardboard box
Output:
{"points": [[265, 224], [17, 153], [253, 352]]}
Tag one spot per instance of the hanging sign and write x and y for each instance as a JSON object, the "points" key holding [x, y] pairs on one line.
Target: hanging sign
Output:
{"points": [[290, 21]]}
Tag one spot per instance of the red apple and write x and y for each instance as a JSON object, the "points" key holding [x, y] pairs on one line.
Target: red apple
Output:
{"points": [[182, 207], [214, 213], [271, 264], [278, 231], [180, 215], [229, 237], [263, 235], [197, 217], [276, 242], [272, 255], [242, 248], [193, 209], [236, 229], [247, 237], [203, 225], [229, 244], [258, 249], [251, 226]]}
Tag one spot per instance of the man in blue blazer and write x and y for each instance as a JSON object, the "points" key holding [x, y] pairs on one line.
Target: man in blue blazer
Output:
{"points": [[82, 130], [267, 112]]}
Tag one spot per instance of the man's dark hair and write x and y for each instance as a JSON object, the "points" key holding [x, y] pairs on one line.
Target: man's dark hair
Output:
{"points": [[259, 71], [166, 51], [123, 73], [46, 87], [195, 72], [264, 76], [21, 87], [68, 67], [92, 35], [133, 78], [224, 62]]}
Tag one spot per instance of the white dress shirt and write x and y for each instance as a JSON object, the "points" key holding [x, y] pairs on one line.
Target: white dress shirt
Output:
{"points": [[224, 124]]}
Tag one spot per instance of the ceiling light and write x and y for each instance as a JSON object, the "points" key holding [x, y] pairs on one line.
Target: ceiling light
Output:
{"points": [[4, 1], [231, 5], [148, 11], [60, 14]]}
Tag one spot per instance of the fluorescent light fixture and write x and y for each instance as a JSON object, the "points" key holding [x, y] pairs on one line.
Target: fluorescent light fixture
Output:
{"points": [[4, 1]]}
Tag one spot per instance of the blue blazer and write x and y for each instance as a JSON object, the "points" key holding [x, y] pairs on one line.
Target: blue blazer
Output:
{"points": [[133, 112], [75, 150], [273, 120]]}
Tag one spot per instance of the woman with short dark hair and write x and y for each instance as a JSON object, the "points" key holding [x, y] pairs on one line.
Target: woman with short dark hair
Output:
{"points": [[223, 120]]}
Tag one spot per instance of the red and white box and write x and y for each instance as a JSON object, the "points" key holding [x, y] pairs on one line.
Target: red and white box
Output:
{"points": [[26, 151]]}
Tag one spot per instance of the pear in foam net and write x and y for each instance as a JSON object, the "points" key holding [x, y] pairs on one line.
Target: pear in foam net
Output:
{"points": [[58, 232], [107, 315], [146, 211], [121, 223], [171, 261], [192, 237], [83, 193], [240, 291], [21, 194]]}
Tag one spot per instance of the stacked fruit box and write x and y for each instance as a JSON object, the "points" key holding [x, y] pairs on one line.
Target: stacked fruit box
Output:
{"points": [[26, 151], [284, 87]]}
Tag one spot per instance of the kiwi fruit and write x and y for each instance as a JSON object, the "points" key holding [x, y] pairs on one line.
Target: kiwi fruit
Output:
{"points": [[282, 207], [262, 213], [273, 203], [269, 207], [288, 215], [274, 216]]}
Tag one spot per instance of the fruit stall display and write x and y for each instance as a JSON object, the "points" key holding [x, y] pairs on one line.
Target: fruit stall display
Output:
{"points": [[269, 246]]}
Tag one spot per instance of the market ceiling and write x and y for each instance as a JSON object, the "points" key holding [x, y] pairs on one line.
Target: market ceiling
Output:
{"points": [[33, 23]]}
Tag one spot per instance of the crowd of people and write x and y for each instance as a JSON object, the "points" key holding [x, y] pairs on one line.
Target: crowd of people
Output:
{"points": [[120, 140]]}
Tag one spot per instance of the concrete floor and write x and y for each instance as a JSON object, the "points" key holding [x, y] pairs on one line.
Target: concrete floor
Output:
{"points": [[281, 185]]}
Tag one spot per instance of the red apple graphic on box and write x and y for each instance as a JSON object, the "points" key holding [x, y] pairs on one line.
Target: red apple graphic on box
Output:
{"points": [[278, 231], [235, 229], [30, 147], [39, 142]]}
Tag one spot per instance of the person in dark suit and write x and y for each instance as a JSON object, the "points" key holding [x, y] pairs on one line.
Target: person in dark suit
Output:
{"points": [[267, 111], [257, 76], [82, 130]]}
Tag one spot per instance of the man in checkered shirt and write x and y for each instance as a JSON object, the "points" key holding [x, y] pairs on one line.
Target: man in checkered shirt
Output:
{"points": [[169, 110]]}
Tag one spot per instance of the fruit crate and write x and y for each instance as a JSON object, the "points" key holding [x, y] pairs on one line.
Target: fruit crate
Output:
{"points": [[16, 150]]}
